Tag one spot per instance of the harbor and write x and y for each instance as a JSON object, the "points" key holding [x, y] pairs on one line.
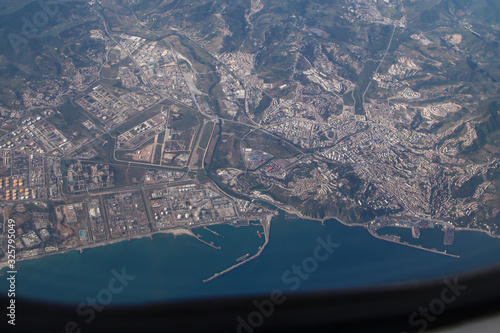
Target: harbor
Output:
{"points": [[397, 240], [266, 224], [361, 261], [416, 225]]}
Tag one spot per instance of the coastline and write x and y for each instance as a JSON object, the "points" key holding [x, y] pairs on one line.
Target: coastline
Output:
{"points": [[288, 232], [478, 230], [326, 218], [293, 211], [175, 232], [323, 220], [188, 232]]}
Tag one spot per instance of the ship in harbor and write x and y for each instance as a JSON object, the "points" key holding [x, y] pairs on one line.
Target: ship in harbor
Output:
{"points": [[243, 258]]}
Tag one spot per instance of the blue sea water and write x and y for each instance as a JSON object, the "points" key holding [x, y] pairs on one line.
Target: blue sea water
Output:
{"points": [[169, 269]]}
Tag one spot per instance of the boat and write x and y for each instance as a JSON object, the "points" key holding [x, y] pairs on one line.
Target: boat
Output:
{"points": [[243, 258]]}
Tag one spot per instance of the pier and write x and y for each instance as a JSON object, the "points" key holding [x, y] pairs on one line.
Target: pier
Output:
{"points": [[214, 232], [449, 236], [415, 231]]}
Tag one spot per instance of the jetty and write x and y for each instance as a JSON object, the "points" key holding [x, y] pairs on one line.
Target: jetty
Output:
{"points": [[212, 231]]}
